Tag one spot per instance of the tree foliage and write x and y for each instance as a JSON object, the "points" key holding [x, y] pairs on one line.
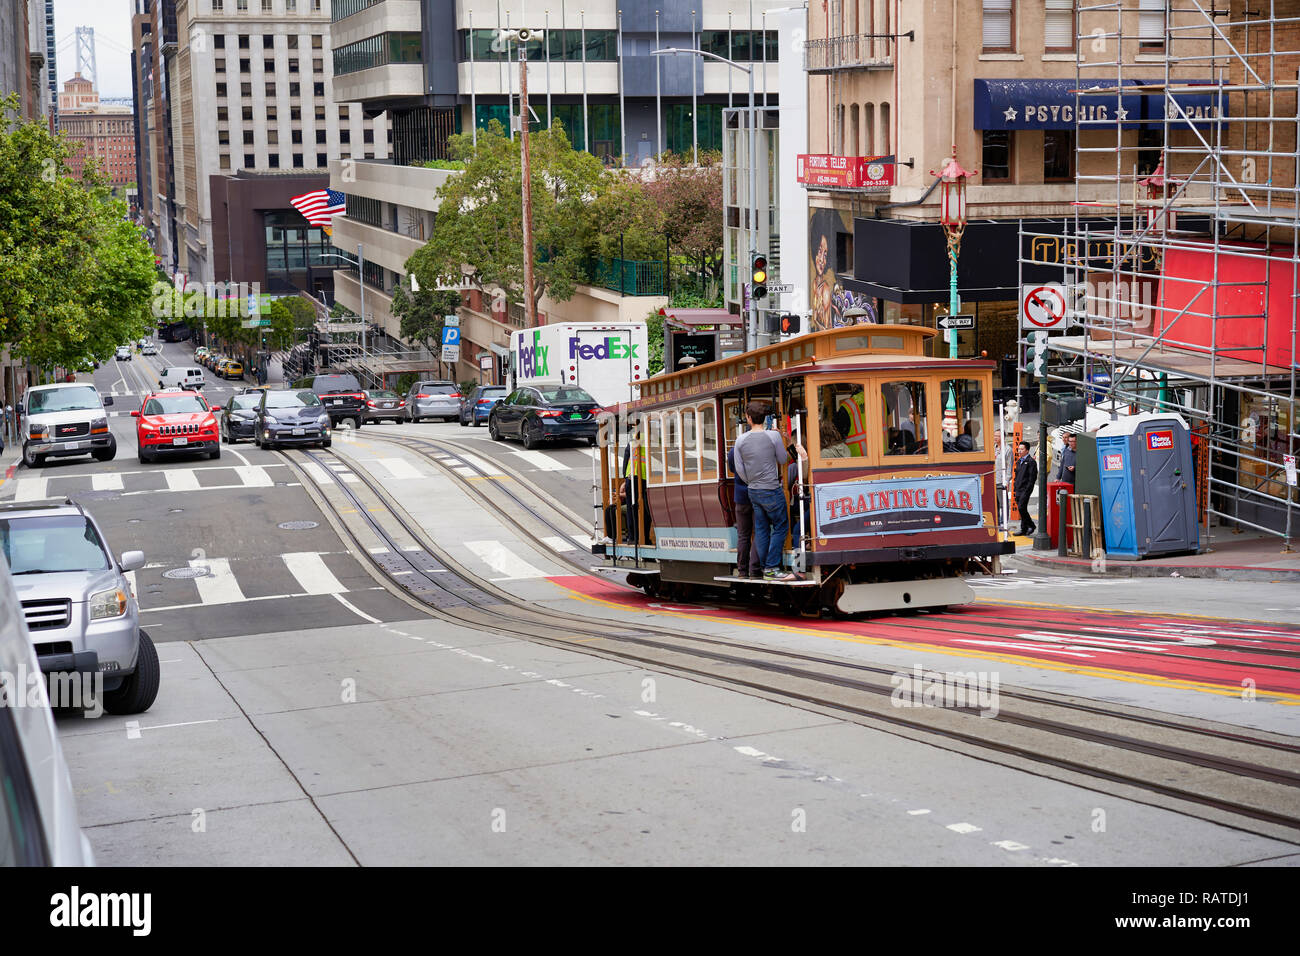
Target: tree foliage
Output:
{"points": [[421, 313], [76, 275], [480, 216]]}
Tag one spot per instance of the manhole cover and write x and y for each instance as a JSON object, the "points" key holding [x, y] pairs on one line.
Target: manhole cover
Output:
{"points": [[186, 573], [296, 525]]}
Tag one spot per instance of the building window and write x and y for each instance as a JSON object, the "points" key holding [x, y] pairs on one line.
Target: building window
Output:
{"points": [[297, 157], [268, 42], [245, 89], [273, 137], [318, 89], [249, 160], [268, 66], [241, 6], [248, 137], [295, 136], [320, 161], [273, 160], [868, 129], [1058, 155], [294, 89], [1150, 143], [368, 136], [316, 43], [1058, 26], [221, 92], [270, 111], [243, 41], [320, 137], [295, 113], [223, 114], [885, 130], [855, 131], [270, 89], [1151, 24], [318, 65], [999, 25], [219, 64], [291, 5], [320, 114], [315, 6], [293, 66], [291, 41], [223, 137], [225, 162], [378, 51], [997, 156], [218, 41], [345, 136], [244, 65], [246, 113], [266, 6]]}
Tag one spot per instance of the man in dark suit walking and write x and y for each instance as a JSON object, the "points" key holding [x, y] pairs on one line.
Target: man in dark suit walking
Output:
{"points": [[1026, 478]]}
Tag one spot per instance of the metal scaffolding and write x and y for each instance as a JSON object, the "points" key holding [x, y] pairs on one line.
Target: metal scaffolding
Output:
{"points": [[1180, 260]]}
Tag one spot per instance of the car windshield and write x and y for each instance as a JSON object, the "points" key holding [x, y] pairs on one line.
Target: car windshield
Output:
{"points": [[49, 543], [246, 401], [174, 405], [335, 383], [299, 399], [384, 396], [564, 395], [63, 399]]}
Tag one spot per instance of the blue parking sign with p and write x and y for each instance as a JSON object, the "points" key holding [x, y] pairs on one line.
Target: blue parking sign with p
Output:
{"points": [[450, 335]]}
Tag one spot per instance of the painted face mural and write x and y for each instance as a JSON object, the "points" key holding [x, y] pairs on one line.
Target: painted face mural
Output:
{"points": [[829, 299]]}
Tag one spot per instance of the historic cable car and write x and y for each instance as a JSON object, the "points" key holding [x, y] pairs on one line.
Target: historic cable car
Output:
{"points": [[893, 505]]}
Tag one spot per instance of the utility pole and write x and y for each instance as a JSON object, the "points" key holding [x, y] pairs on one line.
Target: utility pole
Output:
{"points": [[530, 309]]}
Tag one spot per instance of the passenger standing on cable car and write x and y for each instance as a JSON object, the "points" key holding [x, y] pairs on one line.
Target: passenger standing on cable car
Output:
{"points": [[632, 491], [759, 455], [747, 563]]}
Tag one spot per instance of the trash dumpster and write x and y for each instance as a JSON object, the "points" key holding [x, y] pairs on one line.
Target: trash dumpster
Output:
{"points": [[1148, 498]]}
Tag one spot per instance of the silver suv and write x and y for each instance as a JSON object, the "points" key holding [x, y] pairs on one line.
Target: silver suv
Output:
{"points": [[65, 419], [77, 600]]}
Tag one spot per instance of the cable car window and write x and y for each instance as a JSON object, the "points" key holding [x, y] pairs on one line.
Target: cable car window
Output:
{"points": [[730, 419], [892, 342], [708, 443], [965, 433], [690, 446], [655, 446], [849, 343], [672, 439], [905, 428], [842, 407]]}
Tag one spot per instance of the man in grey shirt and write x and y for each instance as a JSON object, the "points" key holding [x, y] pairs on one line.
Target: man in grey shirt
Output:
{"points": [[759, 455], [1069, 456]]}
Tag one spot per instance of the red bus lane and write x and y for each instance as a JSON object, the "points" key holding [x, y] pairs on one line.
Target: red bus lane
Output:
{"points": [[1237, 656]]}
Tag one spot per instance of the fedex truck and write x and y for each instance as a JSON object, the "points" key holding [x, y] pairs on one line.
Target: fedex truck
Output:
{"points": [[607, 361]]}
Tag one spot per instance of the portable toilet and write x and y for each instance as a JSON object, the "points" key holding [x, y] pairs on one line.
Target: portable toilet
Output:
{"points": [[1148, 497]]}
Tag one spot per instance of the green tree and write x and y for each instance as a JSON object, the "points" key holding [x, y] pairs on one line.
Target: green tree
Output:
{"points": [[291, 319], [480, 216], [421, 313], [76, 276], [654, 330], [690, 201]]}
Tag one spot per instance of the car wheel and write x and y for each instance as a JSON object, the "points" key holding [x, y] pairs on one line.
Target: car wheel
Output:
{"points": [[327, 442], [591, 442], [137, 692], [356, 422], [463, 423], [31, 459], [105, 454], [531, 435], [493, 432], [216, 452]]}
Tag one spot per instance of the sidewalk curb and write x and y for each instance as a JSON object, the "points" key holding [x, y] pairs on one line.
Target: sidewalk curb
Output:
{"points": [[1147, 569]]}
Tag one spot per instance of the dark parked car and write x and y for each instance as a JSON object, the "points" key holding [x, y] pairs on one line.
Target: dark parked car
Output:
{"points": [[474, 408], [544, 413], [239, 416], [340, 393], [384, 406], [291, 417]]}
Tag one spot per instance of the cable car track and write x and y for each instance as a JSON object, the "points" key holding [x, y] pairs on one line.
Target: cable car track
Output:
{"points": [[449, 591]]}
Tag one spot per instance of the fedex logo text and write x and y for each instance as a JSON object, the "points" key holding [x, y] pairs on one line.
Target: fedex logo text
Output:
{"points": [[611, 348], [533, 360]]}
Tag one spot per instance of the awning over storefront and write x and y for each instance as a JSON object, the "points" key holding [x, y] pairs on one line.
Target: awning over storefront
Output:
{"points": [[1054, 104], [906, 261]]}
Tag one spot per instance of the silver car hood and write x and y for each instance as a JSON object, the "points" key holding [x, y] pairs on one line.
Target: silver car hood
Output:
{"points": [[57, 585]]}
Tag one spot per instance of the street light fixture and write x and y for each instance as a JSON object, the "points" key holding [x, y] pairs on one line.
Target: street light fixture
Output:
{"points": [[952, 217], [751, 332]]}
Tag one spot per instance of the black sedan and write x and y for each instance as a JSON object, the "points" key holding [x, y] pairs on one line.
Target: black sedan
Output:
{"points": [[291, 417], [239, 417], [538, 414]]}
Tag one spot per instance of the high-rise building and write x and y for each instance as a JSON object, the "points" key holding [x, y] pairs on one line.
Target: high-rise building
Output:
{"points": [[106, 133], [253, 99], [440, 68], [22, 54]]}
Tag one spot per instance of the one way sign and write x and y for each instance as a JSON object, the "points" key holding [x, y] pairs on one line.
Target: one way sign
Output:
{"points": [[956, 321]]}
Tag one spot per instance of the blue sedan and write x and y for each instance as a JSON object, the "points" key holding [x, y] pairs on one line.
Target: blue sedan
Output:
{"points": [[475, 407]]}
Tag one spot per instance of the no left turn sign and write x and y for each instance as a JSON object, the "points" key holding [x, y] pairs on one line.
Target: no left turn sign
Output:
{"points": [[1042, 307]]}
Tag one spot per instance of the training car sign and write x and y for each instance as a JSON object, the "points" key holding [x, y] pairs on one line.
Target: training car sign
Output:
{"points": [[898, 506]]}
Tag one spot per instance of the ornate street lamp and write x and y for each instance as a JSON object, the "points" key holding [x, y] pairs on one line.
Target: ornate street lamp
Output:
{"points": [[952, 217]]}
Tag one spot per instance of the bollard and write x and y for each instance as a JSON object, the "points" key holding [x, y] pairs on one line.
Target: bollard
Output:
{"points": [[1085, 546], [1062, 499]]}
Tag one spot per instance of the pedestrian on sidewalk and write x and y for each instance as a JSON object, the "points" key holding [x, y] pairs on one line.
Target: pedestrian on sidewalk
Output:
{"points": [[759, 456], [1026, 478], [1065, 468]]}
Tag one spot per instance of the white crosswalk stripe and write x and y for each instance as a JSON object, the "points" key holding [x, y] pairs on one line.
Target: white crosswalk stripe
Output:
{"points": [[106, 481], [400, 468], [309, 570], [317, 473], [484, 467], [255, 476], [502, 560], [218, 586], [30, 489], [556, 543], [541, 461], [181, 479]]}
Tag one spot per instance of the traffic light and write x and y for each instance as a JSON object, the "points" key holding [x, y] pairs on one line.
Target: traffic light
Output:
{"points": [[1037, 354], [789, 324], [758, 274]]}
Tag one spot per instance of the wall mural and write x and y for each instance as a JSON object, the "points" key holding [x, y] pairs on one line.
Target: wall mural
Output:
{"points": [[829, 299]]}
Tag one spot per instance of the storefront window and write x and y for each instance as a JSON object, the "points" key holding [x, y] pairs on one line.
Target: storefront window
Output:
{"points": [[967, 398], [998, 145], [1058, 155], [905, 430]]}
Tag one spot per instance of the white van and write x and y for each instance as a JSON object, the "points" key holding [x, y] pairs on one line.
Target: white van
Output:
{"points": [[181, 376]]}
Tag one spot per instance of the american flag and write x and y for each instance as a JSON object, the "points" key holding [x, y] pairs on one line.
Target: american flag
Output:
{"points": [[319, 207]]}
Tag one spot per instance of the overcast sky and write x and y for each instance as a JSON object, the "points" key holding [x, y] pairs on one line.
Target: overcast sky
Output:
{"points": [[112, 22]]}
